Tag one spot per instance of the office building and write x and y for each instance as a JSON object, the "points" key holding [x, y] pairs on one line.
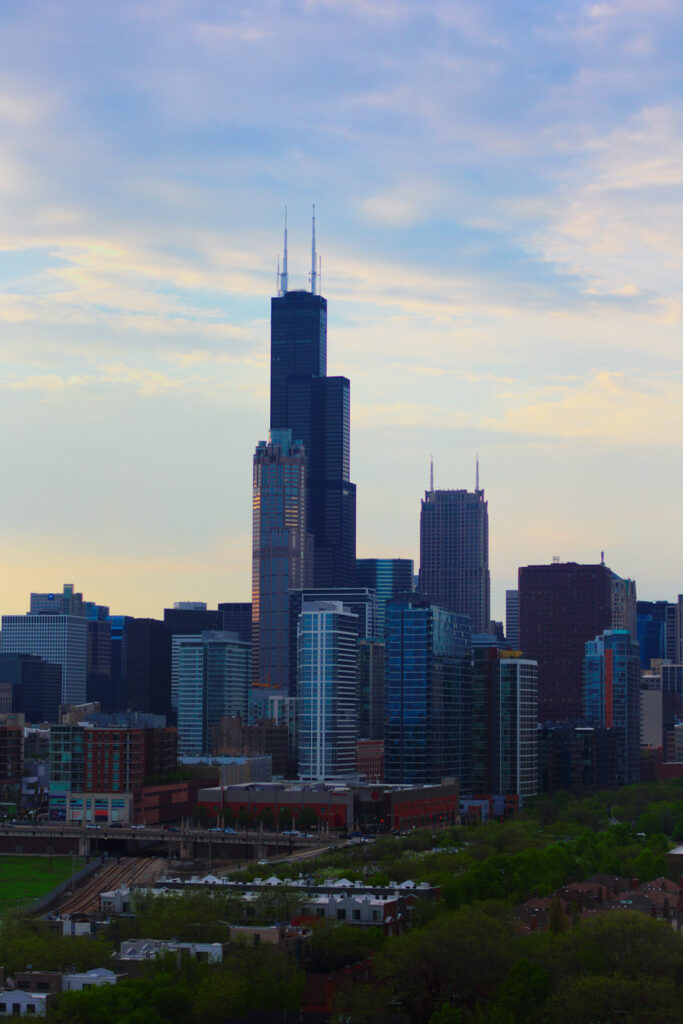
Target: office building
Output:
{"points": [[611, 694], [99, 678], [327, 691], [651, 633], [427, 694], [35, 686], [454, 553], [11, 756], [512, 618], [233, 737], [651, 709], [389, 578], [188, 618], [624, 605], [58, 639], [577, 757], [561, 607], [371, 671], [212, 672], [316, 409], [236, 618], [660, 630], [281, 554], [146, 666]]}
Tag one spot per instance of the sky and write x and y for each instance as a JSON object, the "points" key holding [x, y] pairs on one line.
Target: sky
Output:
{"points": [[499, 215]]}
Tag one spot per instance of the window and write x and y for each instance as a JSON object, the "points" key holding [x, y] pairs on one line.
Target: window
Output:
{"points": [[341, 915], [356, 915]]}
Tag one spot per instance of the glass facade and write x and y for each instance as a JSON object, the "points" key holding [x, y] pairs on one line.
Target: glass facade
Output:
{"points": [[427, 694], [316, 409], [327, 692], [281, 553], [58, 639], [371, 668], [611, 695], [516, 763], [389, 578], [212, 672]]}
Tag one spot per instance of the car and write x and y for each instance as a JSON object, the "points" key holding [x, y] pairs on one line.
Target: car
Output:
{"points": [[115, 824], [215, 830], [171, 828], [231, 831]]}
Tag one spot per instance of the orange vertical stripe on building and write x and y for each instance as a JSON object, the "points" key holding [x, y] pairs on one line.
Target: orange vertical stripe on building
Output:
{"points": [[609, 690]]}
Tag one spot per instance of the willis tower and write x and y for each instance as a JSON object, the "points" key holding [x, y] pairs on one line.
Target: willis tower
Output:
{"points": [[316, 408]]}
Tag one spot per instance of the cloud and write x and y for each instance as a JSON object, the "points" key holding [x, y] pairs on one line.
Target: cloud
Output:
{"points": [[607, 406]]}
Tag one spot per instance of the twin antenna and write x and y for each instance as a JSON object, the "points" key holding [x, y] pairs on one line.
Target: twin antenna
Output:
{"points": [[431, 475], [316, 265]]}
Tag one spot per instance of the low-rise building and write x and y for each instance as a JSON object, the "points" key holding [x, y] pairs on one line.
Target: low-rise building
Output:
{"points": [[17, 1003]]}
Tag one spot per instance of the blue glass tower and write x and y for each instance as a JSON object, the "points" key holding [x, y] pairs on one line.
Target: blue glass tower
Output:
{"points": [[389, 578], [427, 694]]}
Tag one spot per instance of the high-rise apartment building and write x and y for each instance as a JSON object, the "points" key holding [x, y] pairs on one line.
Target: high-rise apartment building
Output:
{"points": [[327, 691], [504, 722], [281, 552], [611, 694], [359, 600], [561, 607], [427, 694], [515, 769], [316, 409], [454, 553], [389, 578]]}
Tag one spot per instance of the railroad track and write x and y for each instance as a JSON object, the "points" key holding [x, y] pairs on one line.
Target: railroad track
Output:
{"points": [[112, 874]]}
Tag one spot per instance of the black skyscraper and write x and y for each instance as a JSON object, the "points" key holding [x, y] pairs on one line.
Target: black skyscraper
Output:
{"points": [[316, 408]]}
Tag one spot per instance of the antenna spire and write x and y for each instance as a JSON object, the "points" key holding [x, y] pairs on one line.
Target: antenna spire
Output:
{"points": [[284, 276], [314, 261], [431, 474], [476, 482]]}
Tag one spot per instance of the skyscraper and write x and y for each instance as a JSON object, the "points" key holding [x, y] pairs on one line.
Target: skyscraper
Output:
{"points": [[58, 639], [454, 553], [281, 553], [427, 694], [561, 607], [388, 577], [213, 672], [327, 691], [316, 409], [611, 694]]}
